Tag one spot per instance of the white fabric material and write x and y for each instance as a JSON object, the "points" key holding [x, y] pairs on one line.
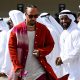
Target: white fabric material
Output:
{"points": [[16, 17], [2, 47], [4, 26], [7, 64], [70, 51], [33, 67], [49, 19], [55, 30], [69, 15]]}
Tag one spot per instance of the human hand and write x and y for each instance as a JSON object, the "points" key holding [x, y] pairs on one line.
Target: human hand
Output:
{"points": [[18, 72], [36, 52], [58, 61]]}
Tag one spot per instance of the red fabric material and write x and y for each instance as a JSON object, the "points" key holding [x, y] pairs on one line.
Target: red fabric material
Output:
{"points": [[43, 42]]}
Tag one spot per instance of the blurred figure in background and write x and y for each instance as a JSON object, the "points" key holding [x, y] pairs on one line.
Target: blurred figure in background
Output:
{"points": [[6, 67], [56, 17], [15, 17], [78, 19], [3, 33], [78, 16]]}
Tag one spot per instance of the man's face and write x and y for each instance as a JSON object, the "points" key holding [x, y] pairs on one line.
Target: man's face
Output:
{"points": [[65, 21], [10, 23], [31, 15]]}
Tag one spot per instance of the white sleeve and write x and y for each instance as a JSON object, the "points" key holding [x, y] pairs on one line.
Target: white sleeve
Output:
{"points": [[75, 52]]}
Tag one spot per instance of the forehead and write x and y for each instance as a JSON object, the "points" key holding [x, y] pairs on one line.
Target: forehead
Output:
{"points": [[64, 16], [32, 10]]}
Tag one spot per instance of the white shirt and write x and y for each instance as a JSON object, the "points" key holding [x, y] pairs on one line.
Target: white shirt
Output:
{"points": [[33, 67]]}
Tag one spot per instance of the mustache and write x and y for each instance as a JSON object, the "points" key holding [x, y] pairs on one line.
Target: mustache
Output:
{"points": [[32, 23]]}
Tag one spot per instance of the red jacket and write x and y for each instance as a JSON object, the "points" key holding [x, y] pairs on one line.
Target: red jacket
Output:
{"points": [[18, 46]]}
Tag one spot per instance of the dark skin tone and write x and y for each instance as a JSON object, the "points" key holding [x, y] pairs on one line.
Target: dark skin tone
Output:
{"points": [[65, 23], [58, 61], [10, 23]]}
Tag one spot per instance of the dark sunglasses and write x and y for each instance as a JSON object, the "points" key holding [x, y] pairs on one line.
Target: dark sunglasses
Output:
{"points": [[31, 16]]}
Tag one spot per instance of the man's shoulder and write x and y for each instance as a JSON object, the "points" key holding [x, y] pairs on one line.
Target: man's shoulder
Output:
{"points": [[40, 25], [19, 26], [75, 31]]}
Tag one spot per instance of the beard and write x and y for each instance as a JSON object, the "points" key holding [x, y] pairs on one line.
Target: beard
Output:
{"points": [[32, 23], [65, 25]]}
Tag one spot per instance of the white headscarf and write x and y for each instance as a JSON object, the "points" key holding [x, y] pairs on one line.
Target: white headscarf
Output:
{"points": [[3, 25], [16, 16], [45, 18], [68, 13]]}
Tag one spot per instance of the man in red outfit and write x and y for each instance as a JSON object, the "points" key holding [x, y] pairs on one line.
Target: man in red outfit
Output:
{"points": [[29, 43]]}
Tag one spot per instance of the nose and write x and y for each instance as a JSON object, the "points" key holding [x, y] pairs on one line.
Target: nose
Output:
{"points": [[64, 20], [33, 18]]}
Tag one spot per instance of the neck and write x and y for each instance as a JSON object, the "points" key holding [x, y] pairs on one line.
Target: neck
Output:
{"points": [[31, 28]]}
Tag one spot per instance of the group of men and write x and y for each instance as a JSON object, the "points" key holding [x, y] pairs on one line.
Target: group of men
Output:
{"points": [[41, 49]]}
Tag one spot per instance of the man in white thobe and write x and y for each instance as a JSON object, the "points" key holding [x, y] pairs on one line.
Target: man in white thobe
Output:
{"points": [[17, 17], [70, 46], [3, 31]]}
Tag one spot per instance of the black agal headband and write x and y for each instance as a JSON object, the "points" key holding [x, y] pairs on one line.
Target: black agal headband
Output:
{"points": [[66, 13]]}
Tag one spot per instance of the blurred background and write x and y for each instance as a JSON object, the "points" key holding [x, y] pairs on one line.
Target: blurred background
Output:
{"points": [[51, 6]]}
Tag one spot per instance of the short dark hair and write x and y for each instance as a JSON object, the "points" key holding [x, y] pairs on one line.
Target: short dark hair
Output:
{"points": [[31, 6]]}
